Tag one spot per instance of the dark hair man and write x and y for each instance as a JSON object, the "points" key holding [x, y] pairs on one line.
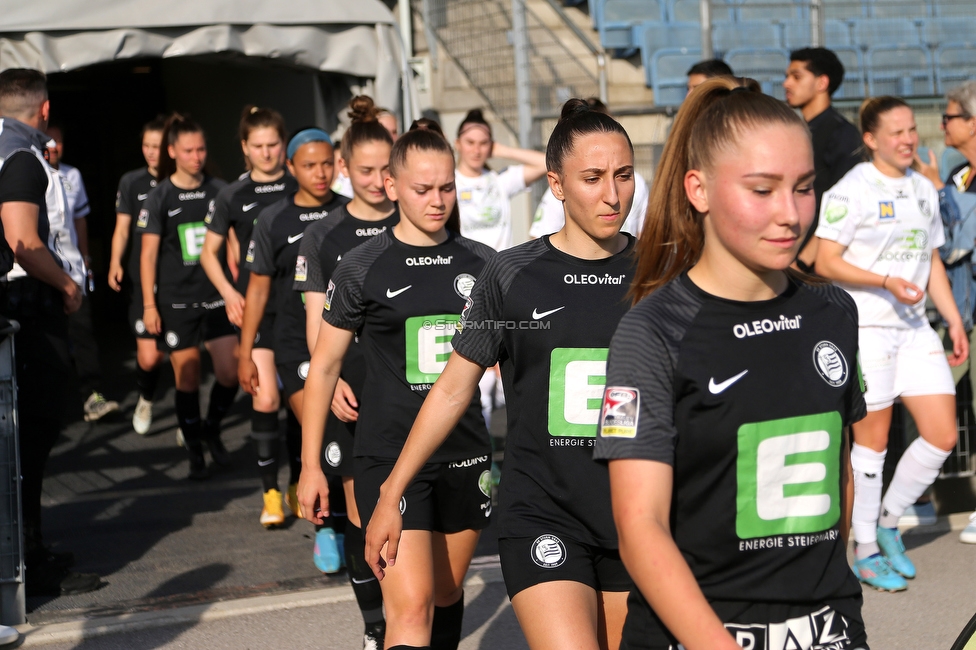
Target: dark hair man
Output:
{"points": [[38, 293], [814, 75], [704, 70]]}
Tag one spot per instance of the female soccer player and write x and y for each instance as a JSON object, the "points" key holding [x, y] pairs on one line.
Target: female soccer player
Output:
{"points": [[880, 230], [134, 189], [403, 291], [262, 135], [186, 308], [557, 543], [730, 385], [271, 256], [365, 158]]}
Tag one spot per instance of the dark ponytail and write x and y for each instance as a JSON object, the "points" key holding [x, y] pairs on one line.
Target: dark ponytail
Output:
{"points": [[365, 126], [176, 125], [424, 135], [578, 118], [474, 118]]}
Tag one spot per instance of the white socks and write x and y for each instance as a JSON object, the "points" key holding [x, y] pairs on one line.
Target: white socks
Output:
{"points": [[868, 466], [917, 470]]}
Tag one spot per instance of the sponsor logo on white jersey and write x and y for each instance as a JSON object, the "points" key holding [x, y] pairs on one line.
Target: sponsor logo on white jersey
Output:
{"points": [[590, 278], [766, 325], [440, 260], [192, 196]]}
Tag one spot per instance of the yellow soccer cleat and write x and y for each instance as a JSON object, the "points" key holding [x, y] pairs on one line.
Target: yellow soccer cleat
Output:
{"points": [[272, 515], [292, 500]]}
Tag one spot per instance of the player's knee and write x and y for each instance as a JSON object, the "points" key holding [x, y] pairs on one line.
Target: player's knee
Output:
{"points": [[944, 439], [448, 595], [413, 613], [266, 401]]}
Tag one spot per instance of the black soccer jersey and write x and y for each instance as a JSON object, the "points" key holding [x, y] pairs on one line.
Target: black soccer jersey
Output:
{"points": [[273, 251], [747, 402], [238, 205], [406, 300], [134, 189], [324, 244], [177, 215], [548, 318]]}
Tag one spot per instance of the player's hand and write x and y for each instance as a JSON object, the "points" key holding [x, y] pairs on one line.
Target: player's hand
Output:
{"points": [[247, 374], [960, 345], [115, 275], [234, 304], [384, 529], [72, 298], [930, 169], [150, 318], [313, 495], [904, 291], [344, 403]]}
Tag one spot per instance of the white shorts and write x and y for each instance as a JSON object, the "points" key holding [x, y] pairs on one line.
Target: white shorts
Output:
{"points": [[902, 362]]}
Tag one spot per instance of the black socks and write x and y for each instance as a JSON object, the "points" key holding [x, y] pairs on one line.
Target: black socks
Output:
{"points": [[221, 399], [364, 583], [293, 441], [264, 431], [188, 417], [146, 381], [446, 631]]}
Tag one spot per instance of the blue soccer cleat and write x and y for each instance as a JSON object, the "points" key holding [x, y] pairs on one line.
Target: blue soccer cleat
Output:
{"points": [[889, 539], [325, 554], [876, 571]]}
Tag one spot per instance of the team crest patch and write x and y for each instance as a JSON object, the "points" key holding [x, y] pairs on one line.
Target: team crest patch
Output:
{"points": [[924, 207], [835, 212], [172, 339], [830, 363], [329, 293], [301, 269], [621, 409], [484, 483], [463, 284], [548, 551], [140, 327], [403, 505], [303, 370], [333, 454], [886, 210]]}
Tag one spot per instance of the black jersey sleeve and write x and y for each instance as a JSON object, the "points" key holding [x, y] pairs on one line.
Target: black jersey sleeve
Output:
{"points": [[123, 197], [151, 216], [218, 217], [856, 407], [22, 178], [260, 252], [477, 339], [309, 275], [345, 306], [479, 249], [637, 416]]}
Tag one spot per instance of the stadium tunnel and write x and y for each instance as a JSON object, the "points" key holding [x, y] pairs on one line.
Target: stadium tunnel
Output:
{"points": [[113, 65]]}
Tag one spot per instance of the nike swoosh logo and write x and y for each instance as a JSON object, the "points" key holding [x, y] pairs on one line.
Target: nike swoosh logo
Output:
{"points": [[536, 315], [175, 212], [362, 582], [295, 238], [265, 463], [142, 197], [715, 389], [249, 207], [394, 294]]}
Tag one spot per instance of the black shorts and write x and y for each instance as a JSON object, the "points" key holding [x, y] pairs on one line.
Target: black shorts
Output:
{"points": [[136, 310], [338, 447], [444, 497], [547, 557], [264, 339], [291, 376], [188, 327]]}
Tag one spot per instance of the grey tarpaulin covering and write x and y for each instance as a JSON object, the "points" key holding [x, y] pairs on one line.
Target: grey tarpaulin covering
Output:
{"points": [[357, 38]]}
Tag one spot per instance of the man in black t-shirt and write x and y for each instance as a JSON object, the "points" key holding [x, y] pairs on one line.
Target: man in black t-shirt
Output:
{"points": [[814, 75], [38, 293]]}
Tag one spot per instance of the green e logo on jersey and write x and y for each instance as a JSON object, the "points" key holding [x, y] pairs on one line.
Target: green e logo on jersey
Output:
{"points": [[788, 474], [191, 240], [577, 377], [428, 345]]}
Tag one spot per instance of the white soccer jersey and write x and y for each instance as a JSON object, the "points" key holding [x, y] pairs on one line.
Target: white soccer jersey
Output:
{"points": [[485, 205], [890, 226], [550, 217]]}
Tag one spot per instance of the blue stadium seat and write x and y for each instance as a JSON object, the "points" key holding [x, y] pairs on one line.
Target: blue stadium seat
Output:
{"points": [[690, 11], [651, 37], [749, 33], [900, 70], [837, 33], [886, 32], [668, 72], [619, 16], [765, 10], [853, 60], [897, 9], [796, 33], [949, 31], [963, 8], [954, 65], [767, 65], [845, 9]]}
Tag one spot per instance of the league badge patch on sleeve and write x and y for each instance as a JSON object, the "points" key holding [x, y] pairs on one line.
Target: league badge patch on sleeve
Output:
{"points": [[301, 269], [143, 219], [329, 293], [621, 408]]}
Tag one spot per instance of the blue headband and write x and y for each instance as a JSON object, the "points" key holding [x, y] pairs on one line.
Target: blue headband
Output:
{"points": [[304, 137]]}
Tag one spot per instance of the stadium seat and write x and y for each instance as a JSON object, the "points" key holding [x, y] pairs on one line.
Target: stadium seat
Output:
{"points": [[619, 16], [668, 72], [767, 65], [690, 11], [796, 33], [853, 60], [765, 10], [897, 9], [844, 9], [900, 70], [655, 36], [886, 32], [747, 33], [962, 8], [837, 33], [954, 65], [937, 32]]}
